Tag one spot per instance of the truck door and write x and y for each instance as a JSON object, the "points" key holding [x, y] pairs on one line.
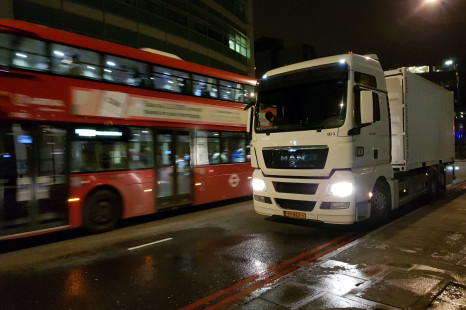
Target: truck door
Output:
{"points": [[373, 142]]}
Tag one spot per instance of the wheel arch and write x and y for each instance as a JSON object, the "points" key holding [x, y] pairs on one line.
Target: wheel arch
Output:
{"points": [[88, 204], [103, 187]]}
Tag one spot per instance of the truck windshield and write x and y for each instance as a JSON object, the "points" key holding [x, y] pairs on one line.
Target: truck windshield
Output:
{"points": [[313, 98]]}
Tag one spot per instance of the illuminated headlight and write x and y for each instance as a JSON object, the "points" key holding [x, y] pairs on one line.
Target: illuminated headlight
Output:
{"points": [[341, 189], [258, 185]]}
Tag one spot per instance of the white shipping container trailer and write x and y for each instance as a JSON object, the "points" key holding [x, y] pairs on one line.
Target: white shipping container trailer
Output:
{"points": [[421, 121]]}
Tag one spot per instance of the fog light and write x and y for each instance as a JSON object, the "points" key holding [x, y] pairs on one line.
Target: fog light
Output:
{"points": [[334, 205], [262, 199]]}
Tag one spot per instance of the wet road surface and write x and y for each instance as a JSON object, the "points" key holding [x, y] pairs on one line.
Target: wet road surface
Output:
{"points": [[190, 260]]}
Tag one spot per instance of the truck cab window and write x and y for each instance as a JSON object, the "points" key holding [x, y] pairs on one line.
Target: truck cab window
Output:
{"points": [[365, 79]]}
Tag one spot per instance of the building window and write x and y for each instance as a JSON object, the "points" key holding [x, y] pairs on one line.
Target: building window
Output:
{"points": [[238, 43]]}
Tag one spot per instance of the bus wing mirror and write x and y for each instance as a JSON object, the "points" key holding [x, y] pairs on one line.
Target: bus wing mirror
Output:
{"points": [[367, 107]]}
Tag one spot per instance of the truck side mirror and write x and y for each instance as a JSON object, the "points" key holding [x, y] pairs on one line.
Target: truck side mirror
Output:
{"points": [[250, 120], [367, 107]]}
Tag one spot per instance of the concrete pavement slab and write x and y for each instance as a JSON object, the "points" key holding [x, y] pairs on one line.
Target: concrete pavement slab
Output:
{"points": [[417, 261]]}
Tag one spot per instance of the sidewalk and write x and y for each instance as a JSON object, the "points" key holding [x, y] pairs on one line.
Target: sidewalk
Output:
{"points": [[415, 262]]}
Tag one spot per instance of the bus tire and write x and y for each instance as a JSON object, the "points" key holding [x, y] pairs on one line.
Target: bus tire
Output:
{"points": [[102, 211], [434, 184], [380, 203]]}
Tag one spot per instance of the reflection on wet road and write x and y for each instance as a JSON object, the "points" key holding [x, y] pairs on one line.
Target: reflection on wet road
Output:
{"points": [[201, 261]]}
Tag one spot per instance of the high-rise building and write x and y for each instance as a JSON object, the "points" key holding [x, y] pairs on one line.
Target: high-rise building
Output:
{"points": [[215, 33], [270, 53]]}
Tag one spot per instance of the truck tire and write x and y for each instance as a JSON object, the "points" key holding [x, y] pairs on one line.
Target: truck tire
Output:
{"points": [[102, 211], [434, 184], [380, 203]]}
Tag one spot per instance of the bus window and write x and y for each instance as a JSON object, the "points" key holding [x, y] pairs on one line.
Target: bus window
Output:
{"points": [[171, 80], [248, 93], [98, 149], [231, 91], [29, 53], [213, 147], [183, 163], [204, 86], [234, 146], [141, 155], [125, 71], [69, 60], [5, 48]]}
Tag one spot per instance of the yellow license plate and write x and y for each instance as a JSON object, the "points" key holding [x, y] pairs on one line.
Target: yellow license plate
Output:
{"points": [[295, 215]]}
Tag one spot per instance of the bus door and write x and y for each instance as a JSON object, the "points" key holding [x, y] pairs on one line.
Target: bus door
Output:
{"points": [[174, 172], [33, 183]]}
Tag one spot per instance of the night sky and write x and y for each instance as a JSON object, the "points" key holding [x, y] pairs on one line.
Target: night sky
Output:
{"points": [[400, 32]]}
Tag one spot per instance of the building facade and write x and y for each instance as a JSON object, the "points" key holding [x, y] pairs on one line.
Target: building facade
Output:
{"points": [[270, 53], [215, 33]]}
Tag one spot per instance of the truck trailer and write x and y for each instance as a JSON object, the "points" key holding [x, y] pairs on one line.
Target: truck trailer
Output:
{"points": [[338, 140]]}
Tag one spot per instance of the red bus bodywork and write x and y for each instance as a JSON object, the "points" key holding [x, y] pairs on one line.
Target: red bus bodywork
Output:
{"points": [[27, 96]]}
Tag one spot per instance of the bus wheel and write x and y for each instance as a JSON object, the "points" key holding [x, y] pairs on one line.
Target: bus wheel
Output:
{"points": [[380, 203], [434, 184], [102, 211]]}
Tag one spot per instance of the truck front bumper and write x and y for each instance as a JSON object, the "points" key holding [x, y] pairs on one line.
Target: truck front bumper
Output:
{"points": [[306, 198]]}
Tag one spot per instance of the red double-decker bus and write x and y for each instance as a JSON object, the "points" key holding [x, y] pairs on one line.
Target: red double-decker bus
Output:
{"points": [[92, 132]]}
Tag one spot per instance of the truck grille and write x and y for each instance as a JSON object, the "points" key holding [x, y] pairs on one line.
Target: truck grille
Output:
{"points": [[297, 205], [312, 157], [295, 188]]}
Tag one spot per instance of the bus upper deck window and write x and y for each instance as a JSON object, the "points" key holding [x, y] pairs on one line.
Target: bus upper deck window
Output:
{"points": [[170, 80], [204, 86], [5, 48], [125, 71], [28, 53], [231, 91], [68, 60]]}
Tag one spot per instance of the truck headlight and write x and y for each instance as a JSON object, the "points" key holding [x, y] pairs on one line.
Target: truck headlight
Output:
{"points": [[258, 185], [341, 189]]}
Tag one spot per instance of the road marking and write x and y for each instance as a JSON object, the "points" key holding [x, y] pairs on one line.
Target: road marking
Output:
{"points": [[254, 282], [148, 244]]}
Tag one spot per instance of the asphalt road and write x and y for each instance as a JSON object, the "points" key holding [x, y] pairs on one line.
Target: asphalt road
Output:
{"points": [[166, 263], [183, 259]]}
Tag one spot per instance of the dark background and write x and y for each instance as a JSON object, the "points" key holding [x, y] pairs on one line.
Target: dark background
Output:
{"points": [[400, 32]]}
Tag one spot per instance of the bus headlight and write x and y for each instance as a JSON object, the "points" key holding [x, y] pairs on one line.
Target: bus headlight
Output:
{"points": [[340, 189], [258, 185]]}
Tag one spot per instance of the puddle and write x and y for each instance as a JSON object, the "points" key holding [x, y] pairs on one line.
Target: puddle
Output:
{"points": [[452, 297]]}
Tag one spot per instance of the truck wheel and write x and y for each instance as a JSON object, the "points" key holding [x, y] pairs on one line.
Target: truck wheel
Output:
{"points": [[380, 203], [102, 211], [434, 185]]}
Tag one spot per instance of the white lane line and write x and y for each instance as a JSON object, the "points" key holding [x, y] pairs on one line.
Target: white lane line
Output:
{"points": [[147, 244]]}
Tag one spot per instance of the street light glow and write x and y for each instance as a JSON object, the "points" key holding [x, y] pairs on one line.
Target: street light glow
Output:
{"points": [[449, 62]]}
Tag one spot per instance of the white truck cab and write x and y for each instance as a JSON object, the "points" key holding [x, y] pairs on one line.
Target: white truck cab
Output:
{"points": [[324, 137]]}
